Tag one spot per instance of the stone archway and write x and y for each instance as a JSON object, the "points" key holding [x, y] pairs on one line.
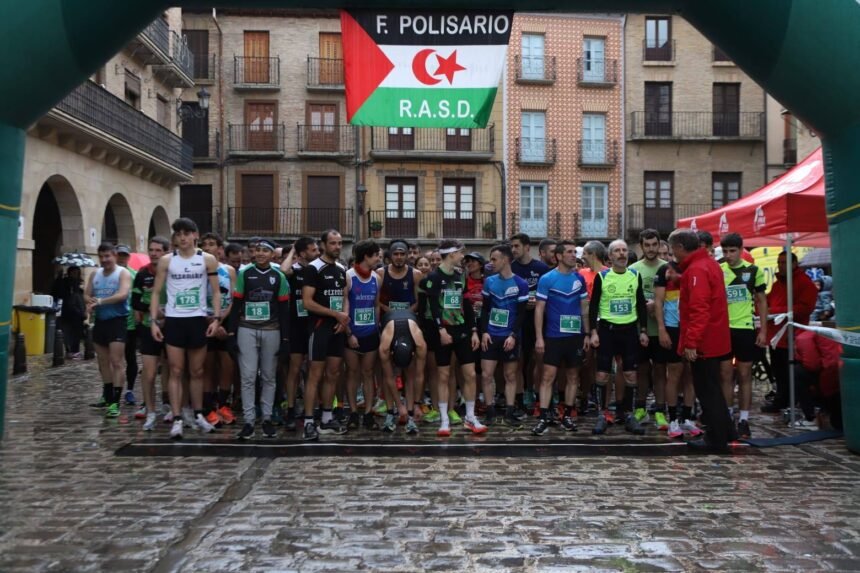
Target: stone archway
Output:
{"points": [[57, 227], [118, 222], [159, 223]]}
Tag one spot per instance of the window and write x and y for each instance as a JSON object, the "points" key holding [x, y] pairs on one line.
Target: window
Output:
{"points": [[195, 130], [593, 62], [726, 188], [257, 196], [458, 139], [132, 89], [260, 120], [726, 109], [659, 213], [658, 39], [256, 59], [720, 55], [533, 209], [593, 138], [322, 127], [594, 220], [401, 215], [331, 59], [401, 138], [533, 137], [198, 43], [458, 204], [162, 112], [533, 57], [658, 108]]}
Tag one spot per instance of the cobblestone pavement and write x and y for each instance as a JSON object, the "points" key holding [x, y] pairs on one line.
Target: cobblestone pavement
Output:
{"points": [[69, 504]]}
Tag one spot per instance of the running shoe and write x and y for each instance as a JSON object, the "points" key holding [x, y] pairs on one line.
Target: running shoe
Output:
{"points": [[188, 417], [141, 413], [541, 428], [129, 397], [633, 426], [474, 425], [332, 427], [691, 428], [444, 430], [112, 411], [411, 427], [609, 417], [246, 433], [269, 430], [744, 429], [168, 418], [675, 430], [102, 403], [600, 424], [519, 413], [454, 417], [641, 415], [370, 422], [165, 408], [354, 421], [512, 423], [310, 433], [390, 423], [359, 400], [227, 415], [529, 398], [804, 424], [176, 430], [151, 421], [277, 415], [214, 419], [432, 416], [490, 415], [568, 424], [661, 421], [203, 425], [380, 407]]}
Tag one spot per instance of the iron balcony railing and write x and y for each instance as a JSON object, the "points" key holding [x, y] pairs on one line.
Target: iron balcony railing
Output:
{"points": [[104, 111], [597, 153], [326, 139], [652, 51], [536, 151], [696, 125], [414, 224], [602, 72], [205, 146], [256, 138], [325, 72], [288, 221], [158, 32], [204, 67], [451, 140], [535, 69], [662, 218], [181, 54], [256, 71]]}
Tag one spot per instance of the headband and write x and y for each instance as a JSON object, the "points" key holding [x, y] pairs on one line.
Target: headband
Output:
{"points": [[266, 245], [450, 250]]}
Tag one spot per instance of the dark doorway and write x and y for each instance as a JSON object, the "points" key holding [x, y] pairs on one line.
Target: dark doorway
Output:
{"points": [[47, 235], [195, 202], [323, 202]]}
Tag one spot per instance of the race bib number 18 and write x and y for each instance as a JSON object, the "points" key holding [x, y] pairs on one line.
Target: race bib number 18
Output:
{"points": [[257, 311]]}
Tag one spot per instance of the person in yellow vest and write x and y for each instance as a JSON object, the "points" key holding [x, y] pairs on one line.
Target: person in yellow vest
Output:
{"points": [[619, 325]]}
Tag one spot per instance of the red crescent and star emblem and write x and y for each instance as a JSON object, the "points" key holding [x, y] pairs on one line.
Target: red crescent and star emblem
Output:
{"points": [[446, 67]]}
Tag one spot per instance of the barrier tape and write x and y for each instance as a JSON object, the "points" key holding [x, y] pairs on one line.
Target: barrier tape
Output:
{"points": [[835, 334]]}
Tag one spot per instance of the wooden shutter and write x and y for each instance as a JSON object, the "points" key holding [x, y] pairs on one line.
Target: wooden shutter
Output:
{"points": [[256, 58], [258, 202]]}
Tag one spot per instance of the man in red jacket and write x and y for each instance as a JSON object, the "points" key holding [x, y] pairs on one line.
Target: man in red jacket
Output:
{"points": [[705, 336], [818, 361], [805, 297]]}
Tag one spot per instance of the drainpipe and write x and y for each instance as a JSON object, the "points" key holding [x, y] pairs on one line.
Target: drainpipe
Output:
{"points": [[500, 167], [623, 229], [222, 194]]}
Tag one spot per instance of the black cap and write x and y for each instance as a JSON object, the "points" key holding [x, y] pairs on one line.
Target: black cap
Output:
{"points": [[123, 250], [477, 256]]}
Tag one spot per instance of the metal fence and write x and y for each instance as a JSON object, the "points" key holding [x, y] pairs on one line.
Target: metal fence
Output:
{"points": [[536, 151], [596, 71], [204, 66], [288, 221], [541, 69], [432, 139], [654, 52], [253, 70], [693, 124], [158, 32], [434, 224], [338, 139], [181, 54], [640, 216], [597, 152], [256, 138], [325, 72]]}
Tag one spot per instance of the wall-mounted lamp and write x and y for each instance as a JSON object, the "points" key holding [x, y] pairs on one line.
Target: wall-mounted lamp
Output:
{"points": [[185, 111]]}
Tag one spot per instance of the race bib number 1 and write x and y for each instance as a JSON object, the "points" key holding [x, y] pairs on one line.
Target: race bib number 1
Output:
{"points": [[257, 311], [452, 299], [499, 317], [336, 303], [569, 324]]}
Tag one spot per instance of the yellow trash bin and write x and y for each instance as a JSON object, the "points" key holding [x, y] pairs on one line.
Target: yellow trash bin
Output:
{"points": [[30, 320]]}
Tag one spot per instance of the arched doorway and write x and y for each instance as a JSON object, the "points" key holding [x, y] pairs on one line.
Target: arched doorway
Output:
{"points": [[118, 223], [159, 223], [57, 227]]}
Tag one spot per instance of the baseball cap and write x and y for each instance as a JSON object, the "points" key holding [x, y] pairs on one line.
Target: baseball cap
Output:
{"points": [[476, 256], [123, 250]]}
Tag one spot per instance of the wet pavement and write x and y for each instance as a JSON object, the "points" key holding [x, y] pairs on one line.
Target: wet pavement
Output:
{"points": [[69, 503]]}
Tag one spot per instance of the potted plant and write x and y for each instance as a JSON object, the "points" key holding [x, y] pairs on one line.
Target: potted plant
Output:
{"points": [[489, 230], [375, 229]]}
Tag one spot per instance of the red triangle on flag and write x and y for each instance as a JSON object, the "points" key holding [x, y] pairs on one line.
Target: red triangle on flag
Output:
{"points": [[365, 65]]}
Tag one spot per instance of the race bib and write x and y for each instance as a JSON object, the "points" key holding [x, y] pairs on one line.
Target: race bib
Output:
{"points": [[300, 308], [364, 317], [569, 324], [737, 293], [336, 303], [499, 317], [621, 306], [452, 299], [225, 301], [257, 311], [398, 305], [188, 299]]}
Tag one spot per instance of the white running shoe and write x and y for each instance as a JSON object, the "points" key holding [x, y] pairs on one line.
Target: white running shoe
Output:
{"points": [[203, 425], [168, 417], [804, 424], [176, 430], [675, 430], [151, 420], [690, 427], [188, 417], [474, 425]]}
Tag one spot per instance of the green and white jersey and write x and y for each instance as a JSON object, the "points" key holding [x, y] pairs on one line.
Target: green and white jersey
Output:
{"points": [[742, 282]]}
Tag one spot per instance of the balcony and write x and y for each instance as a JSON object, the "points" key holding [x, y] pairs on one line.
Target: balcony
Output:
{"points": [[205, 147], [789, 151], [325, 75], [96, 123], [596, 73], [178, 71], [598, 155], [153, 44], [540, 71], [659, 54], [641, 216], [256, 73], [428, 144], [536, 152], [204, 67], [477, 225], [256, 140], [166, 51], [697, 125], [326, 140], [288, 222]]}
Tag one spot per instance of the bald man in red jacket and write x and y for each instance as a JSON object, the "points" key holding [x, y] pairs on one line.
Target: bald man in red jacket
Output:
{"points": [[705, 338]]}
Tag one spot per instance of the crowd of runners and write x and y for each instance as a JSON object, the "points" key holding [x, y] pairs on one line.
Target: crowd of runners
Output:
{"points": [[396, 338]]}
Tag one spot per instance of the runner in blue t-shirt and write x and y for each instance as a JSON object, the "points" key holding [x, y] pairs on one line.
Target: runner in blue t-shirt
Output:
{"points": [[503, 312], [560, 321]]}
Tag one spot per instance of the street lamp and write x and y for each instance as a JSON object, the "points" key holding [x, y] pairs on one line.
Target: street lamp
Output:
{"points": [[185, 111]]}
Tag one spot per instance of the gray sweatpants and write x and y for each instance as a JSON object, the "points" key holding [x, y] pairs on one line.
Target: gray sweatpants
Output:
{"points": [[258, 348]]}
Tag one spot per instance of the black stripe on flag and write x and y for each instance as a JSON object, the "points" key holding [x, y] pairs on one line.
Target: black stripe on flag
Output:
{"points": [[455, 28]]}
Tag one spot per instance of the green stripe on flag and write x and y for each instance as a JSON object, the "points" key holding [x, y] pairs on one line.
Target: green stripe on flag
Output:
{"points": [[427, 107]]}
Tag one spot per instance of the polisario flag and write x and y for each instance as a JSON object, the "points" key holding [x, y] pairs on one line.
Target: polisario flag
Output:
{"points": [[423, 69]]}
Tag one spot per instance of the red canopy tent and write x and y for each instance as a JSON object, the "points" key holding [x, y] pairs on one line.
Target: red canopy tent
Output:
{"points": [[793, 203]]}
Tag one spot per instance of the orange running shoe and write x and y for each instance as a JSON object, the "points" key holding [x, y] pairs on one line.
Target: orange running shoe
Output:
{"points": [[214, 419], [610, 417], [444, 431], [227, 416]]}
